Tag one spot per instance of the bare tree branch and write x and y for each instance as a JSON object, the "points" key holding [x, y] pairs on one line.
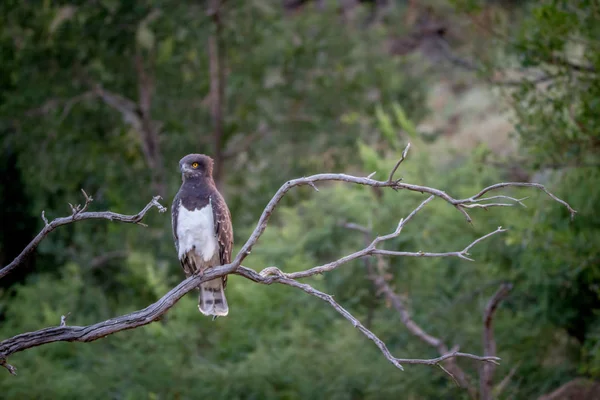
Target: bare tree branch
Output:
{"points": [[453, 370], [397, 362], [404, 154], [458, 203], [268, 276], [97, 331], [486, 374], [79, 213]]}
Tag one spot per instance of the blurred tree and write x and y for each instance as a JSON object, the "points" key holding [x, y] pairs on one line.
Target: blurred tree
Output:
{"points": [[552, 57]]}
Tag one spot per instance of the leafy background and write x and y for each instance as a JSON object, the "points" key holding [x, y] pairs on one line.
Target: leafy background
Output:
{"points": [[307, 90]]}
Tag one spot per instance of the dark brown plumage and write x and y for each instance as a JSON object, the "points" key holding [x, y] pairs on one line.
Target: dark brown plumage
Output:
{"points": [[202, 230]]}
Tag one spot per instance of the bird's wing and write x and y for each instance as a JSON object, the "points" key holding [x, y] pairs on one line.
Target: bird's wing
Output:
{"points": [[223, 228]]}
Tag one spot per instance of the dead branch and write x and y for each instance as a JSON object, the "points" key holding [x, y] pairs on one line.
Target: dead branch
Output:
{"points": [[368, 181], [486, 374], [452, 367], [371, 249], [96, 331], [404, 154], [453, 370], [267, 276], [79, 213], [380, 282], [279, 277]]}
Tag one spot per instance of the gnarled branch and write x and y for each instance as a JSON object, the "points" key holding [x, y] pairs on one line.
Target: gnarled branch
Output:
{"points": [[79, 213], [267, 276]]}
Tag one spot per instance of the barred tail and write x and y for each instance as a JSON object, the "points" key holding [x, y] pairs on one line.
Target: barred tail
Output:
{"points": [[212, 299]]}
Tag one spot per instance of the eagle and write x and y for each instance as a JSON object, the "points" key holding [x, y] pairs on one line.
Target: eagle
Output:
{"points": [[202, 230]]}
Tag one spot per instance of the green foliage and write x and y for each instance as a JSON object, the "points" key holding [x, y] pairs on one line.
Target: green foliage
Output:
{"points": [[314, 94], [556, 121]]}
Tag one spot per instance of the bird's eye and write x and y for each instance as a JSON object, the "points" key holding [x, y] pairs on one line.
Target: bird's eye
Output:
{"points": [[195, 165]]}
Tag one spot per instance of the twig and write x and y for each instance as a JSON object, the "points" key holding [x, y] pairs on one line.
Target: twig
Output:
{"points": [[488, 205], [397, 362], [63, 319], [404, 154], [44, 218], [520, 184], [518, 201], [10, 368], [458, 203], [372, 250], [453, 370], [79, 216], [449, 373]]}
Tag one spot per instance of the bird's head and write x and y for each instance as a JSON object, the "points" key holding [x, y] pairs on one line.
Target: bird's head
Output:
{"points": [[196, 166]]}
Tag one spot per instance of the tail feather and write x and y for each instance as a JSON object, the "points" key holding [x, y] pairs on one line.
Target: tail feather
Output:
{"points": [[212, 299]]}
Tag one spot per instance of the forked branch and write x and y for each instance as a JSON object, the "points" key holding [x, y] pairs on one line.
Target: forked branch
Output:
{"points": [[268, 275], [79, 213]]}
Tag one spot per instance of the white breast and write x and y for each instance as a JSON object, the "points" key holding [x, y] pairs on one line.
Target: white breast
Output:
{"points": [[196, 231]]}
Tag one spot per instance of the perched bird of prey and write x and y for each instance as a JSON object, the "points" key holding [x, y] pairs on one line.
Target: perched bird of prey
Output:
{"points": [[202, 230]]}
